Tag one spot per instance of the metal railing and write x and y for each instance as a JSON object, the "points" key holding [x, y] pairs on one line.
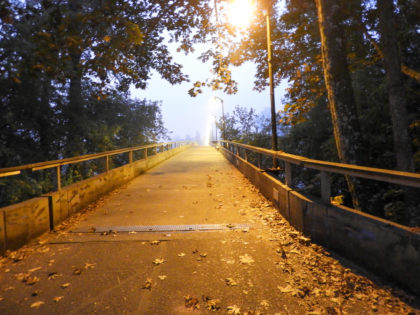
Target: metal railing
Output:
{"points": [[57, 164], [325, 168]]}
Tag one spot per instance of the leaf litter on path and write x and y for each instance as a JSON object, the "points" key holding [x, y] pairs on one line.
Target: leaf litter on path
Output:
{"points": [[246, 259], [158, 261], [191, 302]]}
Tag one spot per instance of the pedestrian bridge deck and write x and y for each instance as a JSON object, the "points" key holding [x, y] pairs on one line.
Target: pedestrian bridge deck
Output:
{"points": [[106, 260]]}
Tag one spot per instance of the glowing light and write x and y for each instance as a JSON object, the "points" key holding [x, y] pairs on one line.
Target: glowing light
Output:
{"points": [[241, 13], [211, 107]]}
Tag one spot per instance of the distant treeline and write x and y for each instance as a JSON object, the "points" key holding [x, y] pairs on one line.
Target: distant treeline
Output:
{"points": [[65, 71]]}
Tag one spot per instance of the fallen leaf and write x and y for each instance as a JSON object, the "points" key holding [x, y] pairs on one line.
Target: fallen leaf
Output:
{"points": [[163, 277], [92, 230], [158, 261], [234, 310], [154, 242], [286, 289], [31, 280], [191, 302], [37, 304], [230, 225], [1, 298], [53, 275], [294, 251], [57, 298], [245, 292], [35, 293], [43, 249], [34, 269], [246, 259], [264, 303], [22, 276], [230, 282], [213, 304], [89, 266], [181, 254], [148, 284], [204, 255], [65, 285], [77, 271]]}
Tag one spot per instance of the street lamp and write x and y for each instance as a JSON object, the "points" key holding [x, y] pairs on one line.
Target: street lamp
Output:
{"points": [[223, 117], [240, 13]]}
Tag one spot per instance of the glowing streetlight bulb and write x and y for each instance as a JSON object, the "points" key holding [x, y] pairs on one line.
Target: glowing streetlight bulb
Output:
{"points": [[241, 13]]}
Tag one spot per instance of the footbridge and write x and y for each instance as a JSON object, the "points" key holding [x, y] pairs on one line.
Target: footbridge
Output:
{"points": [[182, 229]]}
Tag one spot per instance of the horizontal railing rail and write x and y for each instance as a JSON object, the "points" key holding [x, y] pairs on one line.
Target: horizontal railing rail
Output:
{"points": [[326, 168], [16, 170]]}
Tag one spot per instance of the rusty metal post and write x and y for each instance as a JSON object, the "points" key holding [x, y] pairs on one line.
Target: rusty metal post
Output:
{"points": [[325, 187], [288, 169]]}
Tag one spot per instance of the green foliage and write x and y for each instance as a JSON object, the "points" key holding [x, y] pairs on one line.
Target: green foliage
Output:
{"points": [[65, 69], [305, 118]]}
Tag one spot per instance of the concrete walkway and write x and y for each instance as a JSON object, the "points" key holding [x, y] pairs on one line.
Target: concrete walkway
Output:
{"points": [[252, 262]]}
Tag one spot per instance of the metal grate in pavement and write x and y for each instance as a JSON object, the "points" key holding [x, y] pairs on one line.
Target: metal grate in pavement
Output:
{"points": [[162, 228]]}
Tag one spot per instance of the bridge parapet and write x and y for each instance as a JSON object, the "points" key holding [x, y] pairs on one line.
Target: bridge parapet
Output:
{"points": [[383, 246], [21, 222]]}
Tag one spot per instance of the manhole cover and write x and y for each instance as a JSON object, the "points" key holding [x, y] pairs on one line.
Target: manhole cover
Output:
{"points": [[163, 228]]}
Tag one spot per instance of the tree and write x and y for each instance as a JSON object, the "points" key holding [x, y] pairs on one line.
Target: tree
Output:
{"points": [[338, 83], [397, 93]]}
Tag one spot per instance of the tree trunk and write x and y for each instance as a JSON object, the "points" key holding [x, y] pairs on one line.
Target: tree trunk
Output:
{"points": [[396, 89], [340, 91], [397, 105]]}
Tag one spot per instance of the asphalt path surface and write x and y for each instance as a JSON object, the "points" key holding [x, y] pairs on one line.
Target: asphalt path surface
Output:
{"points": [[192, 236]]}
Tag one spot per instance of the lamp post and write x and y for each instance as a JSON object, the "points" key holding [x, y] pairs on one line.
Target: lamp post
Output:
{"points": [[223, 117], [270, 76], [241, 14]]}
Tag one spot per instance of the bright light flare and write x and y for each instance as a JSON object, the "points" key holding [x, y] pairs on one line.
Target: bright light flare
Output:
{"points": [[241, 13]]}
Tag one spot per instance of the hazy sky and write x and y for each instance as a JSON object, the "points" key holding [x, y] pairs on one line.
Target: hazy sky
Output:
{"points": [[185, 115]]}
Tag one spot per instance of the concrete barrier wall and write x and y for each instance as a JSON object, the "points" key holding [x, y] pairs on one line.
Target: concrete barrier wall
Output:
{"points": [[21, 222], [382, 246]]}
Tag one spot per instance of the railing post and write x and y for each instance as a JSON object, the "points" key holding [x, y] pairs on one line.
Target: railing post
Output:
{"points": [[246, 155], [259, 160], [288, 170], [145, 153], [106, 163], [130, 157], [325, 187], [58, 177], [237, 151]]}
